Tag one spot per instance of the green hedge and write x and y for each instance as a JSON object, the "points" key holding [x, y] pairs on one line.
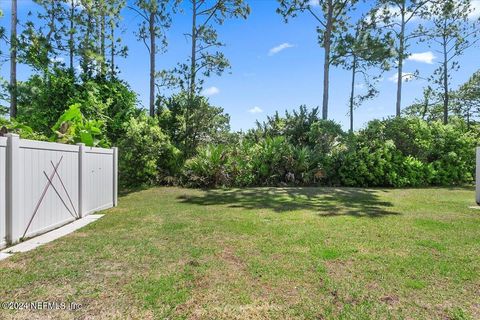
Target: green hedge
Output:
{"points": [[399, 152]]}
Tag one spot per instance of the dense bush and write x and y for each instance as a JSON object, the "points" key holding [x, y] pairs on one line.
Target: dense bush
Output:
{"points": [[146, 155], [400, 152], [447, 151], [208, 168], [43, 99], [189, 142], [192, 122], [380, 163], [21, 129], [72, 127], [111, 101]]}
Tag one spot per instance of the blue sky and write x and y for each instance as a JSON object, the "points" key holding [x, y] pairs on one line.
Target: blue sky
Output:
{"points": [[275, 66]]}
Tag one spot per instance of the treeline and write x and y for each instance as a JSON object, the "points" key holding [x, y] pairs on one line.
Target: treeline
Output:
{"points": [[84, 37], [364, 37], [75, 94]]}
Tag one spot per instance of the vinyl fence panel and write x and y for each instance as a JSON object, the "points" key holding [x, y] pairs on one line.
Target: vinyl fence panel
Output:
{"points": [[3, 222], [97, 179], [47, 185], [52, 167], [477, 177]]}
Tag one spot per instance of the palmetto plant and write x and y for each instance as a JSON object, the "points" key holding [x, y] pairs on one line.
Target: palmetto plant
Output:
{"points": [[208, 167]]}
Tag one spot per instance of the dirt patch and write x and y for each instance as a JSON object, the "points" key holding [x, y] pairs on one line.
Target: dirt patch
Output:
{"points": [[389, 299], [256, 310], [233, 261], [340, 269]]}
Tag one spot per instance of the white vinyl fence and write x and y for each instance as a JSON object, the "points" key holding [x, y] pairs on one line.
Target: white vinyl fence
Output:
{"points": [[3, 222], [45, 185], [477, 177]]}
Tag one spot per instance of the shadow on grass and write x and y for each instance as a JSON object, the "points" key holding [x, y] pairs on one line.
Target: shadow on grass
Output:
{"points": [[326, 202], [125, 191]]}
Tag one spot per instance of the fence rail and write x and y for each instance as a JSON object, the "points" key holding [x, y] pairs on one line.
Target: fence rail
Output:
{"points": [[44, 185]]}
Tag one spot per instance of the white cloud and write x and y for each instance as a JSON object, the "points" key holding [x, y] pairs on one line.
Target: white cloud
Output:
{"points": [[360, 85], [395, 11], [314, 3], [279, 48], [255, 110], [395, 14], [475, 14], [406, 76], [210, 91], [425, 57]]}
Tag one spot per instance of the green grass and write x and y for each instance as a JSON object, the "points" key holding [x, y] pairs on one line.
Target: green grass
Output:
{"points": [[262, 253]]}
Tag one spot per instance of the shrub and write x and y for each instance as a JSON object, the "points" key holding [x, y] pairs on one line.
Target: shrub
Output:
{"points": [[21, 129], [241, 164], [452, 154], [429, 152], [388, 153], [43, 99], [324, 136], [109, 100], [192, 123], [72, 127], [372, 164], [270, 161], [411, 136], [146, 154], [208, 168], [415, 173]]}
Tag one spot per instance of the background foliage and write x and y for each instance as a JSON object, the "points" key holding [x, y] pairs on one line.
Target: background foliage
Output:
{"points": [[186, 140]]}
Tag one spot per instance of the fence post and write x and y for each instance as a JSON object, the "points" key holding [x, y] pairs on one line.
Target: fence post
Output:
{"points": [[115, 176], [477, 178], [81, 169], [13, 193]]}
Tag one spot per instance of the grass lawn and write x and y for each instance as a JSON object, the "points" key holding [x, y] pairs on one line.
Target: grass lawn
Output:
{"points": [[266, 253]]}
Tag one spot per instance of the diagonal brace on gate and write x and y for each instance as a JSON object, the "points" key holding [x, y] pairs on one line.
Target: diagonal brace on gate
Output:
{"points": [[64, 189], [47, 186]]}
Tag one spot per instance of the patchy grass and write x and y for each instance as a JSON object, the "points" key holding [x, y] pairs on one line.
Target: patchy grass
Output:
{"points": [[262, 253]]}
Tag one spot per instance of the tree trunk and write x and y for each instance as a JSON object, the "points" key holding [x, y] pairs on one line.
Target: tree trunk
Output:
{"points": [[13, 61], [189, 137], [326, 63], [86, 60], [112, 52], [401, 52], [468, 119], [71, 43], [103, 69], [446, 96], [51, 31], [425, 108], [352, 91], [193, 62], [152, 63]]}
